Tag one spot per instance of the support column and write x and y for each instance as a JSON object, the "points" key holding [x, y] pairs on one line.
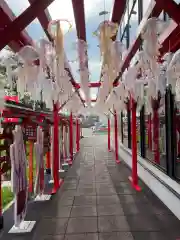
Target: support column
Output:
{"points": [[77, 135], [48, 163], [31, 148], [71, 138], [116, 137], [122, 132], [109, 135], [134, 177], [142, 132], [56, 149], [1, 208]]}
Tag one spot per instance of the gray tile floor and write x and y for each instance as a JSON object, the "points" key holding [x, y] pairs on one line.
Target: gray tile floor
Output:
{"points": [[96, 202]]}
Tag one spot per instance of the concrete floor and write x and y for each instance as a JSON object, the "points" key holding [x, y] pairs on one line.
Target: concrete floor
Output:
{"points": [[97, 202]]}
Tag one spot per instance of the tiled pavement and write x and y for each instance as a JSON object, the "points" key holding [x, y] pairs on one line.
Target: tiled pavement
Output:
{"points": [[96, 202]]}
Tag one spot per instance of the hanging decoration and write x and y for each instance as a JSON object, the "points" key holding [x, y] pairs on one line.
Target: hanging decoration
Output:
{"points": [[18, 176], [39, 154], [19, 183], [105, 32]]}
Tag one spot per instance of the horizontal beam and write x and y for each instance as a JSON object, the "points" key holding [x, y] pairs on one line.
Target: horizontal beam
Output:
{"points": [[14, 29]]}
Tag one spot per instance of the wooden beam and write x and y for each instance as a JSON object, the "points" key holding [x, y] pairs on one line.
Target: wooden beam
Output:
{"points": [[171, 8], [14, 29], [7, 17], [44, 19]]}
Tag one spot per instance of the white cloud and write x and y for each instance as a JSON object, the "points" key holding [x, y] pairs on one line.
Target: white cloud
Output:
{"points": [[65, 10]]}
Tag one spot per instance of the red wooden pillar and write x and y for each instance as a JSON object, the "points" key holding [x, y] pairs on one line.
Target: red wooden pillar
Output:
{"points": [[77, 135], [1, 214], [57, 182], [48, 162], [116, 137], [134, 177], [109, 135], [31, 148], [65, 142], [71, 137]]}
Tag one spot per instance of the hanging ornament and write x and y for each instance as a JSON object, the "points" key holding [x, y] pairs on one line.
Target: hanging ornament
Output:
{"points": [[55, 29], [117, 50], [105, 32], [28, 54], [82, 53], [173, 72]]}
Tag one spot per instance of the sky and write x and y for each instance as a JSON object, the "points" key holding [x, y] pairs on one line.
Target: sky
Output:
{"points": [[65, 11]]}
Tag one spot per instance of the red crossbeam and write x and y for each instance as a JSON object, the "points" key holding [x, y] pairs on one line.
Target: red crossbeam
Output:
{"points": [[14, 29]]}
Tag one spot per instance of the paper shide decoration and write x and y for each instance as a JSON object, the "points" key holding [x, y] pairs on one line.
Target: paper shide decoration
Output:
{"points": [[18, 176]]}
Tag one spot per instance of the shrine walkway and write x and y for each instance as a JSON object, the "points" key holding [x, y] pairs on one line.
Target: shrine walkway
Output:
{"points": [[96, 201]]}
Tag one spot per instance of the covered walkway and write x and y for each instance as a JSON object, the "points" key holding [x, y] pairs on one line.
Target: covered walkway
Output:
{"points": [[96, 201]]}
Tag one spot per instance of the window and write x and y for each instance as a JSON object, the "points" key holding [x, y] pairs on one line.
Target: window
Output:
{"points": [[133, 24]]}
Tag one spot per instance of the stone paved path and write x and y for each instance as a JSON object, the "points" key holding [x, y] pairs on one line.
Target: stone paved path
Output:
{"points": [[96, 202]]}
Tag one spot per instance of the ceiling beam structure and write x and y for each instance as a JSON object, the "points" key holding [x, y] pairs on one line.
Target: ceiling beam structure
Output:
{"points": [[44, 18], [13, 30], [7, 16], [22, 38]]}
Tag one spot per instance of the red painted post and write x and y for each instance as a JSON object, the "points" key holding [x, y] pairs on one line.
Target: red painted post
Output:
{"points": [[116, 137], [1, 215], [109, 135], [71, 137], [156, 136], [31, 148], [65, 142], [134, 177], [48, 162], [77, 135], [57, 182]]}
